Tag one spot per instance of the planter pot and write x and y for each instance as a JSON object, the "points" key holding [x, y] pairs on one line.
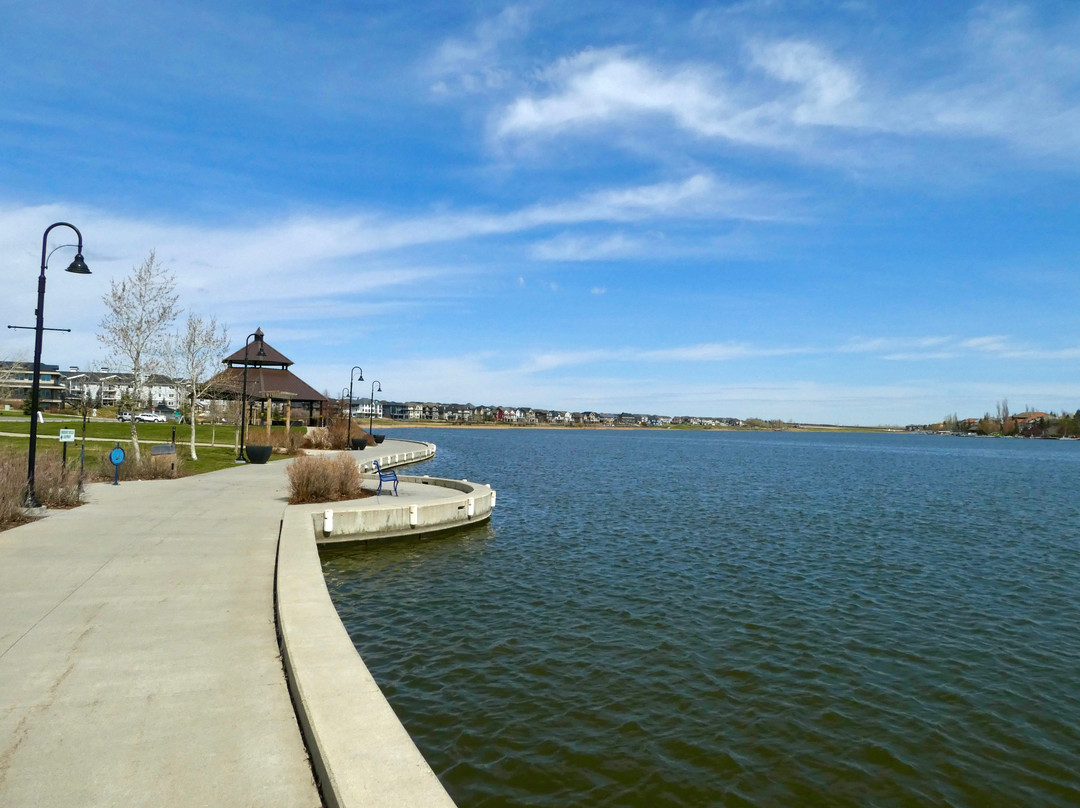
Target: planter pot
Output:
{"points": [[258, 454], [379, 438], [359, 443]]}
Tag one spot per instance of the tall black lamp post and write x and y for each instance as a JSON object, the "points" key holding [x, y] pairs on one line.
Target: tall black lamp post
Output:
{"points": [[371, 403], [78, 267], [258, 337], [348, 444]]}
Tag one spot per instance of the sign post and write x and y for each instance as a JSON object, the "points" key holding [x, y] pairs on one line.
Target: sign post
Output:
{"points": [[66, 436], [116, 457]]}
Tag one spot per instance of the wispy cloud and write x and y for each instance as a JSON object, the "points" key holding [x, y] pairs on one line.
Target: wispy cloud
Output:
{"points": [[471, 63], [914, 349], [1007, 81], [567, 247]]}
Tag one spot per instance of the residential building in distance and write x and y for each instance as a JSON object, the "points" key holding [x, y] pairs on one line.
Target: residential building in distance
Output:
{"points": [[17, 381], [365, 407], [106, 389]]}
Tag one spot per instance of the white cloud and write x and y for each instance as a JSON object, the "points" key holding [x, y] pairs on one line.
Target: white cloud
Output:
{"points": [[828, 93], [567, 247], [471, 64], [598, 87], [1004, 79]]}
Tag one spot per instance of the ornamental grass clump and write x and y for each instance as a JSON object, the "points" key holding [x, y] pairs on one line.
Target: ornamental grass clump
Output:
{"points": [[12, 489], [335, 436], [147, 467], [54, 486], [324, 479]]}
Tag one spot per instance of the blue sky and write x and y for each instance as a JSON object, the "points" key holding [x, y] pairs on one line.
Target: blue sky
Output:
{"points": [[850, 212]]}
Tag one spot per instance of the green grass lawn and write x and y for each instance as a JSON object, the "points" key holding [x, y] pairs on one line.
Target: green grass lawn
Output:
{"points": [[211, 458]]}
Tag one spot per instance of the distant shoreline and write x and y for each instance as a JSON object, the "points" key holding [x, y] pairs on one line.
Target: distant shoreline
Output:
{"points": [[624, 428]]}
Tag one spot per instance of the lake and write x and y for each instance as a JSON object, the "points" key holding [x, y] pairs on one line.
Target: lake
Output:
{"points": [[676, 618]]}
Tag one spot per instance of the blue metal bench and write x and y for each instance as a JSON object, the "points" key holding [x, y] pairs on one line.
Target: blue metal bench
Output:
{"points": [[385, 477]]}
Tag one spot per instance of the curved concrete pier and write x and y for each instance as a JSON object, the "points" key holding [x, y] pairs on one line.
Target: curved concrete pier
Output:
{"points": [[139, 655]]}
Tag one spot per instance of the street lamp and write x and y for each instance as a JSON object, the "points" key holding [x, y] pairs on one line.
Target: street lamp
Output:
{"points": [[258, 337], [77, 267], [348, 443], [371, 403]]}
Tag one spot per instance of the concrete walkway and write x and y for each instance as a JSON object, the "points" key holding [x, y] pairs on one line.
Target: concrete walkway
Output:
{"points": [[139, 661]]}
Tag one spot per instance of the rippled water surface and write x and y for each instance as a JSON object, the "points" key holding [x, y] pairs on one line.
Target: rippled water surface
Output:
{"points": [[670, 618]]}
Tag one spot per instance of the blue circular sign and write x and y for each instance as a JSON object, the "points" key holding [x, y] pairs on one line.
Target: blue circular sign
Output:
{"points": [[116, 456]]}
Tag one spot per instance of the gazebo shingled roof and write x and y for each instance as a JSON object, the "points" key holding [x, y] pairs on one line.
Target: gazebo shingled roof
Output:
{"points": [[272, 357], [268, 376]]}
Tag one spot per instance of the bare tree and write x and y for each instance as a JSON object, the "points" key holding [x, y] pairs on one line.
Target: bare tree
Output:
{"points": [[196, 351], [138, 313]]}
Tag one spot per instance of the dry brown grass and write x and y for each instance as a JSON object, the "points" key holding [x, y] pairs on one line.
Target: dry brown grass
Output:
{"points": [[149, 467], [54, 486], [335, 436], [12, 489], [325, 479]]}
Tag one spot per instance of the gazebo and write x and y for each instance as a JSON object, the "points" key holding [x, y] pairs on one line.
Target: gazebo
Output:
{"points": [[269, 381]]}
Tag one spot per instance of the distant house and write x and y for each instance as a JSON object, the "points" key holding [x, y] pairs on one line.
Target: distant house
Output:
{"points": [[17, 381], [105, 389], [368, 407]]}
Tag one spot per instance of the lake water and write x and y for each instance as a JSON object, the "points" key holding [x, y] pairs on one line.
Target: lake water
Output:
{"points": [[671, 618]]}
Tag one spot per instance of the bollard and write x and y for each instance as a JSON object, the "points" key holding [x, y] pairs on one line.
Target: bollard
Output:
{"points": [[412, 516], [328, 521], [472, 507], [493, 498]]}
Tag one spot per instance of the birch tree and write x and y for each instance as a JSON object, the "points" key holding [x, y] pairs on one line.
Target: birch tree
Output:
{"points": [[139, 310], [196, 350]]}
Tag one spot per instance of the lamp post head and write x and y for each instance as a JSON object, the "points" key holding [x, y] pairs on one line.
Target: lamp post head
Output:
{"points": [[78, 266]]}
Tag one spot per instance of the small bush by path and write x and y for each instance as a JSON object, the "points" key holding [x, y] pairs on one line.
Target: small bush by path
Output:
{"points": [[54, 486], [325, 479], [334, 436], [149, 467]]}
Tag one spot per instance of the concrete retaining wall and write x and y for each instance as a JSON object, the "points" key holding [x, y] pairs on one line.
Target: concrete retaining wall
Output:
{"points": [[361, 753], [395, 517]]}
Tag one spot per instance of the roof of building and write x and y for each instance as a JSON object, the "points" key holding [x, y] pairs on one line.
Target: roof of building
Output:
{"points": [[265, 382], [269, 356]]}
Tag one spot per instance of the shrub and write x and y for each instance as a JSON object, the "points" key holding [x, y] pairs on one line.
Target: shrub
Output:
{"points": [[325, 479], [149, 467], [286, 440], [12, 489], [54, 486], [335, 436], [317, 437]]}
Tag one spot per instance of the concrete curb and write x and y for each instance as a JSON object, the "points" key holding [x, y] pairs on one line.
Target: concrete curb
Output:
{"points": [[361, 753], [414, 513]]}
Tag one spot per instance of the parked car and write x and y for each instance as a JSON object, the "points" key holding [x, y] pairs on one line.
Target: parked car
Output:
{"points": [[123, 416], [150, 417]]}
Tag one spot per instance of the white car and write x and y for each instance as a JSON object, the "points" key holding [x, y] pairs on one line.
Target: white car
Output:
{"points": [[150, 417]]}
